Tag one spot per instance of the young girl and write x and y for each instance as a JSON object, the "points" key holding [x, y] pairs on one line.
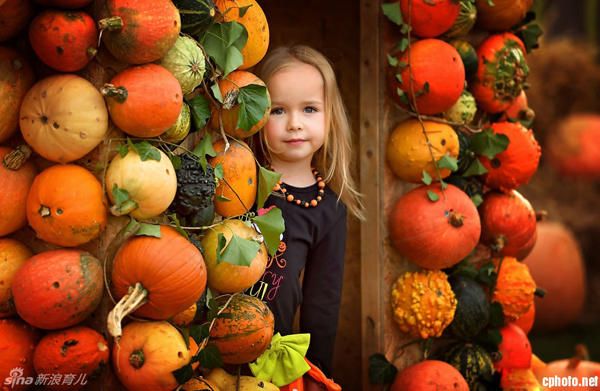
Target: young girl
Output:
{"points": [[307, 139]]}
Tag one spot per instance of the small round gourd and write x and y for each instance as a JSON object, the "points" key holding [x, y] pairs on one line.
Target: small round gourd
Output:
{"points": [[16, 176], [185, 60], [13, 255]]}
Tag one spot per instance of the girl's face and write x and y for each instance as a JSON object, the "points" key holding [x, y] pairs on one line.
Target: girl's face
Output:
{"points": [[296, 127]]}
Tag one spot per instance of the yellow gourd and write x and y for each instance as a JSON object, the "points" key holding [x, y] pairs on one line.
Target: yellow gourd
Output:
{"points": [[227, 382]]}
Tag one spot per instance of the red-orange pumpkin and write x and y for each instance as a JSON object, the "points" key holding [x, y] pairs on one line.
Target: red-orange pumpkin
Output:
{"points": [[435, 235], [513, 379], [578, 367], [58, 288], [430, 375], [144, 100], [17, 343], [14, 17], [516, 165], [139, 31], [526, 321], [230, 89], [508, 224], [501, 14], [78, 351], [16, 177], [166, 275], [514, 351], [556, 264], [243, 330], [13, 255], [65, 205], [501, 73], [436, 63], [68, 4], [64, 40], [514, 288], [519, 110], [429, 19], [16, 77]]}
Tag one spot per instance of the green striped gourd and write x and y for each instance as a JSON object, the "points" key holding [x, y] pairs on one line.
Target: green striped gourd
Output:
{"points": [[468, 55], [463, 110], [472, 307], [185, 60], [196, 16], [471, 360], [465, 20], [181, 127]]}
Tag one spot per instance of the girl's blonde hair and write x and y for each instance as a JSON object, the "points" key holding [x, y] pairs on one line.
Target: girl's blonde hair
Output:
{"points": [[334, 159]]}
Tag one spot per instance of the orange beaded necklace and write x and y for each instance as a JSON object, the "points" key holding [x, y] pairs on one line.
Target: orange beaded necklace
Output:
{"points": [[290, 197]]}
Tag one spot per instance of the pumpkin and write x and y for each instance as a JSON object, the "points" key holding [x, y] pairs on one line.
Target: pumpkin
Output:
{"points": [[14, 17], [65, 206], [239, 178], [578, 367], [430, 375], [423, 303], [78, 351], [501, 73], [143, 100], [429, 19], [472, 307], [139, 32], [72, 125], [64, 40], [465, 20], [185, 60], [557, 264], [16, 77], [514, 351], [13, 255], [434, 235], [408, 153], [181, 128], [526, 321], [519, 110], [573, 147], [243, 330], [196, 16], [17, 343], [438, 77], [151, 184], [199, 384], [463, 111], [16, 177], [68, 4], [508, 224], [155, 277], [148, 353], [226, 382], [229, 112], [513, 379], [516, 165], [471, 360], [48, 297], [225, 277], [468, 55], [502, 15], [185, 317], [254, 20]]}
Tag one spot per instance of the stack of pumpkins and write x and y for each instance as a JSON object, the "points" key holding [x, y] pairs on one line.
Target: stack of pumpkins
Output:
{"points": [[468, 144], [61, 197]]}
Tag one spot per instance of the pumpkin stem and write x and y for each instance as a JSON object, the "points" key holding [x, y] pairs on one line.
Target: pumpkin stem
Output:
{"points": [[541, 215], [124, 208], [117, 93], [540, 292], [581, 354], [110, 24], [498, 243], [456, 219], [44, 211], [14, 160], [231, 99], [527, 114], [136, 297], [91, 52], [137, 359]]}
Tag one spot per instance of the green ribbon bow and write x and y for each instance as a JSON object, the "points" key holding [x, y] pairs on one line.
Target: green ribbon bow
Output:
{"points": [[284, 361]]}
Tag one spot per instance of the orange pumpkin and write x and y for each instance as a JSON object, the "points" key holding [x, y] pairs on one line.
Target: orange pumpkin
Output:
{"points": [[17, 343], [243, 330], [199, 384], [77, 351], [13, 255], [16, 77], [14, 17], [526, 321], [16, 177], [515, 379], [514, 351], [255, 22], [156, 277], [557, 265], [514, 288], [68, 4], [148, 353], [65, 206], [577, 367], [430, 375], [519, 110], [501, 14], [230, 88], [429, 19], [239, 173]]}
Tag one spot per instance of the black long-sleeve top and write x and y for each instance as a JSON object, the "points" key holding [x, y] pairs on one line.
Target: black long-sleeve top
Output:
{"points": [[314, 240]]}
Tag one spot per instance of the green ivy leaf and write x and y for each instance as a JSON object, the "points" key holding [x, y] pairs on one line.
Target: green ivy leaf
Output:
{"points": [[489, 144], [133, 225], [239, 251], [253, 103], [433, 197], [392, 11], [529, 36], [490, 338], [216, 92], [200, 110], [221, 243], [392, 60], [145, 150], [183, 374], [123, 150], [213, 309], [244, 9], [173, 218], [185, 334], [497, 315], [405, 28], [475, 169], [199, 332], [491, 3], [426, 178], [221, 198], [443, 184], [210, 356], [205, 147], [120, 195], [426, 87], [487, 275], [271, 227], [266, 180], [175, 160], [403, 97], [223, 43], [477, 200], [468, 271], [448, 162], [403, 44], [219, 173], [148, 230], [381, 371]]}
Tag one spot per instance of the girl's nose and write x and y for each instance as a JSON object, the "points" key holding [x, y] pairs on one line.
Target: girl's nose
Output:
{"points": [[294, 123]]}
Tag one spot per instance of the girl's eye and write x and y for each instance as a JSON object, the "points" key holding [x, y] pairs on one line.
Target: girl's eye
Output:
{"points": [[277, 111], [310, 110]]}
